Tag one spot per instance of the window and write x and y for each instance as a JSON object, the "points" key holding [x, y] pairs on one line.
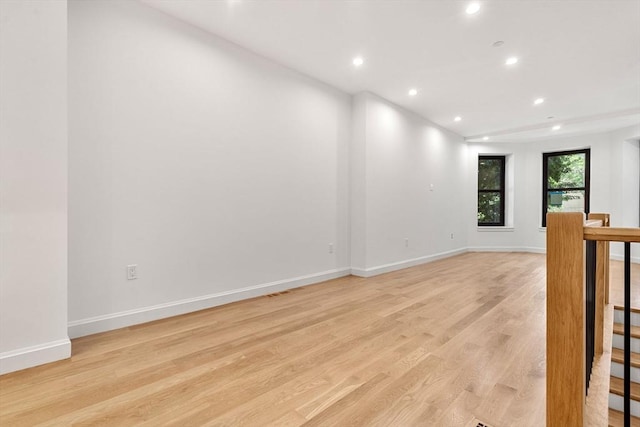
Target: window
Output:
{"points": [[565, 182], [491, 190]]}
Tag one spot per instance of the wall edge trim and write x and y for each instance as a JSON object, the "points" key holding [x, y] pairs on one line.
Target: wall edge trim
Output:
{"points": [[386, 268], [527, 249], [28, 357], [618, 257], [122, 319]]}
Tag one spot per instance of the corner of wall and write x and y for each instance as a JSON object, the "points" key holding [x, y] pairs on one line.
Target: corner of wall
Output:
{"points": [[40, 354], [358, 181], [33, 183]]}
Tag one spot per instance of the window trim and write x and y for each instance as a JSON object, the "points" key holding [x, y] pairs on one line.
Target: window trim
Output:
{"points": [[545, 179], [502, 190]]}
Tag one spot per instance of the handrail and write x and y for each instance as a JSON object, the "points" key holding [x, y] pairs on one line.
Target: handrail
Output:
{"points": [[611, 234], [593, 223]]}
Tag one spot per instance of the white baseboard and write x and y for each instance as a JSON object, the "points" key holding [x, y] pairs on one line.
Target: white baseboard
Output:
{"points": [[28, 357], [93, 325], [507, 249], [83, 327], [618, 257], [386, 268]]}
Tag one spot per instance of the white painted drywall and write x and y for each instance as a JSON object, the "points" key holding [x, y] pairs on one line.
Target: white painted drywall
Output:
{"points": [[614, 186], [358, 182], [219, 173], [625, 170], [409, 175], [33, 183]]}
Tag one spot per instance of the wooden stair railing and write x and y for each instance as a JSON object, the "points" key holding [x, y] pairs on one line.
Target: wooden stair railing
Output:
{"points": [[567, 304]]}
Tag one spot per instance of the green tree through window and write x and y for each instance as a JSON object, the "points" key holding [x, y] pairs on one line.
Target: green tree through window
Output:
{"points": [[491, 190], [565, 182]]}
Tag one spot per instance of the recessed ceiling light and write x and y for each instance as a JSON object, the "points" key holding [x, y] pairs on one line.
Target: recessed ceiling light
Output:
{"points": [[457, 119], [556, 127], [511, 61], [473, 8], [413, 92], [358, 61], [486, 138], [538, 101]]}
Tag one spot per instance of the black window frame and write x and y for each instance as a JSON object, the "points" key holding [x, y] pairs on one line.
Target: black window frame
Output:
{"points": [[545, 179], [501, 190]]}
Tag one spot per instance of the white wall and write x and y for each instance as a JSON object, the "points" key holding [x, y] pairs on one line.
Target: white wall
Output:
{"points": [[33, 183], [395, 163], [614, 186], [625, 171], [220, 174], [358, 182]]}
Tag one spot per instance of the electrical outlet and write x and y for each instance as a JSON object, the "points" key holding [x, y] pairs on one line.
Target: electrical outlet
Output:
{"points": [[406, 242], [132, 272], [451, 236], [330, 248]]}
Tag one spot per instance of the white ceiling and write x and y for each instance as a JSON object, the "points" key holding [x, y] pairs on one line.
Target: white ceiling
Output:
{"points": [[582, 56]]}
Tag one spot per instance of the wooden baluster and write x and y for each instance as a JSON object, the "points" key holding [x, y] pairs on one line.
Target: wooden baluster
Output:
{"points": [[602, 283]]}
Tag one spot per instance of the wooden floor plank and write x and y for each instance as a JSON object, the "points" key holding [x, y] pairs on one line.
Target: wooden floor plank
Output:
{"points": [[454, 342]]}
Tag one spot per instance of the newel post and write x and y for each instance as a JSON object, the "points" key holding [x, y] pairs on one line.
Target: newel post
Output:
{"points": [[565, 320]]}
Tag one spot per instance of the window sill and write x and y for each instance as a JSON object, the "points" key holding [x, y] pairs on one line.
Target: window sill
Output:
{"points": [[492, 228]]}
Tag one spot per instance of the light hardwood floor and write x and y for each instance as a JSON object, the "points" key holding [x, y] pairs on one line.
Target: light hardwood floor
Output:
{"points": [[454, 342]]}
